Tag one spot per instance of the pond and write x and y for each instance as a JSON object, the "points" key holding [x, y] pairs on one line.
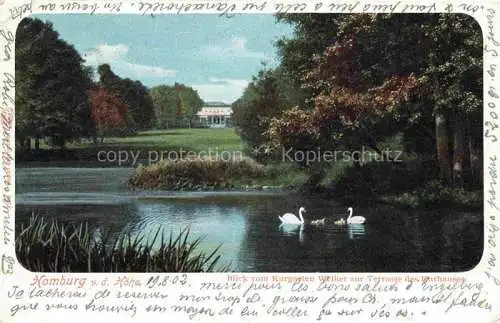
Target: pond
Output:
{"points": [[247, 227]]}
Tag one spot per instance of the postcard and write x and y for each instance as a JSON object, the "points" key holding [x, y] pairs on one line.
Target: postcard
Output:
{"points": [[254, 161]]}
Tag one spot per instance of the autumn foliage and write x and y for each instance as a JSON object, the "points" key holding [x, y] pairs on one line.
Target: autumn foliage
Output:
{"points": [[108, 112], [343, 100]]}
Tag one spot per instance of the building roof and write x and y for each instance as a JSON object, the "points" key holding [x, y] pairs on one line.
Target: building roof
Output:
{"points": [[215, 111], [216, 104]]}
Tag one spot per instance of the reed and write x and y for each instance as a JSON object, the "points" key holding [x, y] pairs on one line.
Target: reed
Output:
{"points": [[51, 246]]}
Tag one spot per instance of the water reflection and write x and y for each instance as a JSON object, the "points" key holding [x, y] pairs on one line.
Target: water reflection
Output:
{"points": [[356, 231], [292, 230], [223, 225]]}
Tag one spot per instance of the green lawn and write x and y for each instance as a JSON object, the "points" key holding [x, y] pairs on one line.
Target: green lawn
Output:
{"points": [[156, 143], [193, 139]]}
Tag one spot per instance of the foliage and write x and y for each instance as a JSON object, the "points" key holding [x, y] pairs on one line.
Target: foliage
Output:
{"points": [[437, 194], [382, 178], [132, 93], [369, 75], [51, 246], [108, 112], [175, 105], [51, 87], [312, 34], [269, 93]]}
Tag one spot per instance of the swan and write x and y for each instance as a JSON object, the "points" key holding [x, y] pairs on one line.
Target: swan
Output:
{"points": [[354, 219], [318, 222], [340, 222], [289, 218]]}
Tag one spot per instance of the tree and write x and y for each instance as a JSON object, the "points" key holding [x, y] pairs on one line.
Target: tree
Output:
{"points": [[267, 96], [134, 94], [108, 112], [190, 103], [51, 87], [175, 105], [359, 61], [165, 103], [312, 34]]}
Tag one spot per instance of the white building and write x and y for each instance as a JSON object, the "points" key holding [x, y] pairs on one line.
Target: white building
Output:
{"points": [[215, 115]]}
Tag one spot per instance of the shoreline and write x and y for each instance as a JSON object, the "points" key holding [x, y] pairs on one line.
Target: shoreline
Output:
{"points": [[255, 190]]}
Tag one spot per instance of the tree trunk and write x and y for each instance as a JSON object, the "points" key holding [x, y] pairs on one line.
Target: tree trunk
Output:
{"points": [[22, 145], [459, 152], [476, 161], [442, 147], [28, 144], [37, 143]]}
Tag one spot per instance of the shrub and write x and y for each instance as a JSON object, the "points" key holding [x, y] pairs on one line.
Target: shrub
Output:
{"points": [[436, 193], [51, 246], [385, 177]]}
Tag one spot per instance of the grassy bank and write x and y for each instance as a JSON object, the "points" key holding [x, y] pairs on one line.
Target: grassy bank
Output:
{"points": [[50, 246], [214, 174]]}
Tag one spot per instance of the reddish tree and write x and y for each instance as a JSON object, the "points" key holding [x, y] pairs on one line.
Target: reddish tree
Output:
{"points": [[108, 112], [344, 100]]}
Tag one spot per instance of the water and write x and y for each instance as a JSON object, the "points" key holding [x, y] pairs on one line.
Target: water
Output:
{"points": [[247, 228]]}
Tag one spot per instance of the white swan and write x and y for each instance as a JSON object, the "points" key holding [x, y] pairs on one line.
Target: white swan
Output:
{"points": [[355, 219], [289, 218]]}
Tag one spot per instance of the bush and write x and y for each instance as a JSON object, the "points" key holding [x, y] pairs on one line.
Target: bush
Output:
{"points": [[51, 246], [196, 174], [377, 178], [436, 193]]}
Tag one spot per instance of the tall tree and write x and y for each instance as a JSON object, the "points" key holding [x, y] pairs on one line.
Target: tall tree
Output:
{"points": [[108, 112], [267, 96], [190, 103], [175, 105], [133, 93], [51, 87]]}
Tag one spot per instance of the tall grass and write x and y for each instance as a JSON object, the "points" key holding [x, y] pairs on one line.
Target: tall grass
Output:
{"points": [[196, 174], [51, 246]]}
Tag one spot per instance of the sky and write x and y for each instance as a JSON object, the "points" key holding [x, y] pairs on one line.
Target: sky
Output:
{"points": [[217, 56]]}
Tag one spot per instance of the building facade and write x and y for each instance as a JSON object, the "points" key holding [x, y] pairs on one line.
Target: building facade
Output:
{"points": [[215, 115]]}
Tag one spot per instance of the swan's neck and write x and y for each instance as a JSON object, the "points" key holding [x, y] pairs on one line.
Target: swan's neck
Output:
{"points": [[300, 216], [350, 213]]}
